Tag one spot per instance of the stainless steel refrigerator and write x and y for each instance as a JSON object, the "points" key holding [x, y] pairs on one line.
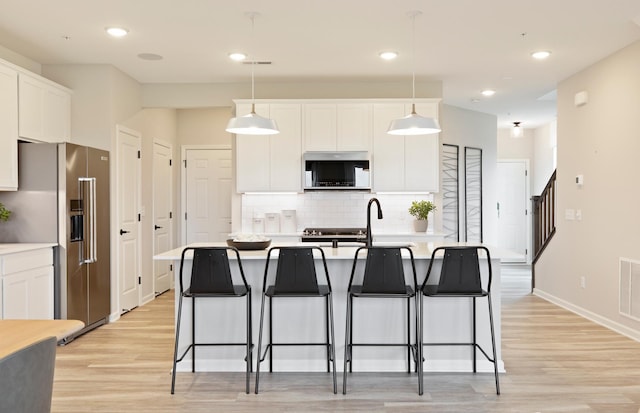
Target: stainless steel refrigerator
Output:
{"points": [[63, 197]]}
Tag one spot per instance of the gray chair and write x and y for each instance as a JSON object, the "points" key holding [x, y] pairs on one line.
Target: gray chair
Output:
{"points": [[26, 378], [460, 277]]}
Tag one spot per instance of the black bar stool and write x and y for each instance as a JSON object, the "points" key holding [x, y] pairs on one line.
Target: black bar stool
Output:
{"points": [[460, 277], [295, 276], [383, 277], [211, 278]]}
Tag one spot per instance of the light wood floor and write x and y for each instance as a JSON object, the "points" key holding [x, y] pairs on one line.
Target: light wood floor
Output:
{"points": [[555, 362]]}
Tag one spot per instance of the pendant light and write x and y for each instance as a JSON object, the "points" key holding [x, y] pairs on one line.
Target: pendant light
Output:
{"points": [[516, 131], [252, 123], [414, 124]]}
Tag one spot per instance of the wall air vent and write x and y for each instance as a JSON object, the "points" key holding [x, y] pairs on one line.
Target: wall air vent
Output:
{"points": [[630, 288], [258, 63]]}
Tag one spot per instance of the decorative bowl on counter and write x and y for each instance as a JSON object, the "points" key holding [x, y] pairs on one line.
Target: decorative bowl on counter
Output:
{"points": [[249, 245]]}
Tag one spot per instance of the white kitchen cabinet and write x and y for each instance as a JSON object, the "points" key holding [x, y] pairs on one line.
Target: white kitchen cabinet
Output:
{"points": [[404, 163], [8, 128], [44, 110], [271, 163], [337, 126], [27, 284]]}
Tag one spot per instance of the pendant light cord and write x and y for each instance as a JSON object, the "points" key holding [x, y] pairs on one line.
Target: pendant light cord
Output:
{"points": [[413, 15]]}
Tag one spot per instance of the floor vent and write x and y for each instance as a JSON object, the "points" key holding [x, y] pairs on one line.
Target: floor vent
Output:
{"points": [[630, 288]]}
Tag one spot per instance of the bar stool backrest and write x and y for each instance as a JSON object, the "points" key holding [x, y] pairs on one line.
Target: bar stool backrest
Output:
{"points": [[296, 271], [210, 272], [383, 271], [460, 271]]}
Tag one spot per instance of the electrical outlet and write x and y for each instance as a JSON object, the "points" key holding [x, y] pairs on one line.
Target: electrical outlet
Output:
{"points": [[583, 282]]}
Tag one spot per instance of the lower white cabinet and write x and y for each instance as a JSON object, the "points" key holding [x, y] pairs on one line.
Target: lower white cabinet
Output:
{"points": [[27, 284]]}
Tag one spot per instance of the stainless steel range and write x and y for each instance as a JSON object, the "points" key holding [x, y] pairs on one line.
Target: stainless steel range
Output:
{"points": [[334, 235]]}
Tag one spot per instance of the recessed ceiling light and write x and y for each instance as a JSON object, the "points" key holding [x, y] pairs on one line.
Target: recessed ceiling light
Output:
{"points": [[149, 56], [238, 57], [488, 92], [117, 31], [388, 55], [541, 54]]}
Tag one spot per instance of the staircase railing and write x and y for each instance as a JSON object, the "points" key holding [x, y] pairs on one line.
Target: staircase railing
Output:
{"points": [[544, 217]]}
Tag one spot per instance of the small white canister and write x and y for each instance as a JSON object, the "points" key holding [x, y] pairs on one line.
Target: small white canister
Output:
{"points": [[288, 221], [271, 222], [258, 225]]}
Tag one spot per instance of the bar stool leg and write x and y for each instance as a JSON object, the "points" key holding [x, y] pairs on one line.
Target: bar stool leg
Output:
{"points": [[259, 359], [420, 340], [248, 341], [493, 344], [347, 345], [327, 337], [175, 348], [475, 342], [333, 344], [193, 334], [408, 335], [270, 346]]}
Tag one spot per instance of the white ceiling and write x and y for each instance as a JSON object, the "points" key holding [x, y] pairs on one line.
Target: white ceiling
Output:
{"points": [[469, 45]]}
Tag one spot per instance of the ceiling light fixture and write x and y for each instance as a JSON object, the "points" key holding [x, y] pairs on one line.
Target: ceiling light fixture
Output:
{"points": [[488, 92], [252, 124], [541, 55], [516, 130], [238, 57], [413, 124], [388, 55], [117, 31]]}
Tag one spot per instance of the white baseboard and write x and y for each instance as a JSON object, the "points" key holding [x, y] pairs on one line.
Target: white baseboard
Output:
{"points": [[598, 319]]}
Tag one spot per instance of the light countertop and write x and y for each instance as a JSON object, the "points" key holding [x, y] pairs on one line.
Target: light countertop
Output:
{"points": [[22, 247], [421, 250]]}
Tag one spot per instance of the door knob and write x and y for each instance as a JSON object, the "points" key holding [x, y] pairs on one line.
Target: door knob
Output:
{"points": [[156, 227], [122, 232]]}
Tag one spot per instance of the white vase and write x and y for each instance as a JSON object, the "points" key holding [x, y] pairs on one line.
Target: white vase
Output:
{"points": [[420, 225]]}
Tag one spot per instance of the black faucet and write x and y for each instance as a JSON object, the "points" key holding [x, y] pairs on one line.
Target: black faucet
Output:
{"points": [[369, 234]]}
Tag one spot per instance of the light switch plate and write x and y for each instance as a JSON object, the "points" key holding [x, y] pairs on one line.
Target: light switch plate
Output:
{"points": [[569, 214]]}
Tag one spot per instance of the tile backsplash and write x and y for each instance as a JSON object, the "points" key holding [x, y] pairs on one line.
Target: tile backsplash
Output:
{"points": [[334, 209]]}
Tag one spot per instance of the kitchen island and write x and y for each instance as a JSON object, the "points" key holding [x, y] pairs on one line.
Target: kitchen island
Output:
{"points": [[375, 320]]}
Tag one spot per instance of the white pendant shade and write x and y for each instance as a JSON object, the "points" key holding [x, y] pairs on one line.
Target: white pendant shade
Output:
{"points": [[252, 124], [414, 124]]}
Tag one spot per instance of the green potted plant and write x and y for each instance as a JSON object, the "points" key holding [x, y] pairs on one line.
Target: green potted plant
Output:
{"points": [[4, 213], [420, 211]]}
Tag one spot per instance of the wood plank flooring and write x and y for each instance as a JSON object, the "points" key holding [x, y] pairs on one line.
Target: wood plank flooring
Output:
{"points": [[555, 362]]}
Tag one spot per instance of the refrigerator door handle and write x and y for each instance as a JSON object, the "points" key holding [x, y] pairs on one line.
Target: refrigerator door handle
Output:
{"points": [[92, 250]]}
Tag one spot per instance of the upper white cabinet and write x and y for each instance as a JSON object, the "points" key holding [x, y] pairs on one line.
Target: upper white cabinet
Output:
{"points": [[271, 162], [8, 129], [399, 163], [337, 126], [404, 163], [44, 110]]}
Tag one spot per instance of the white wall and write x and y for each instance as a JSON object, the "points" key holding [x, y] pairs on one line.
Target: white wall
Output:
{"points": [[464, 127], [516, 148], [599, 140], [545, 140], [198, 95]]}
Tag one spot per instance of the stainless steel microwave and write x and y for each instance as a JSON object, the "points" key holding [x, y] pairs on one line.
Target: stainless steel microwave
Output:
{"points": [[336, 170]]}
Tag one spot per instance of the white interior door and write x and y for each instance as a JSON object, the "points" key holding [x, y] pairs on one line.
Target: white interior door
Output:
{"points": [[208, 194], [512, 207], [162, 216], [128, 174]]}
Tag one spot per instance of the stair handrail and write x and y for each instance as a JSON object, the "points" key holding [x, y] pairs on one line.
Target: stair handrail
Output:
{"points": [[544, 217]]}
